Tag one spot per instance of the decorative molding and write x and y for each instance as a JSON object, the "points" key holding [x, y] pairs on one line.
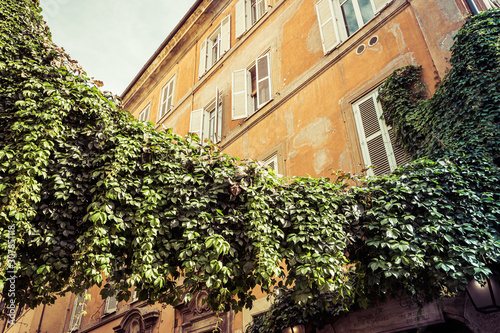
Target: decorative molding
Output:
{"points": [[198, 317], [138, 320]]}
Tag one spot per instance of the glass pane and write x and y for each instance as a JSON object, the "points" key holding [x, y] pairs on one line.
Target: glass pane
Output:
{"points": [[261, 8], [215, 51], [264, 92], [351, 24], [253, 11], [262, 69], [366, 9], [211, 126]]}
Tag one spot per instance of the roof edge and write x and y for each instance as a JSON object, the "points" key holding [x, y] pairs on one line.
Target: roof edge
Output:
{"points": [[161, 47]]}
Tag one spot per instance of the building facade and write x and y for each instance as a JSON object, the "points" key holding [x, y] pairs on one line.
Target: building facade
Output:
{"points": [[292, 83]]}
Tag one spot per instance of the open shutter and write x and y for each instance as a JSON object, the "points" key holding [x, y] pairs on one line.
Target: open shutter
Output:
{"points": [[218, 115], [379, 4], [225, 34], [261, 8], [263, 80], [327, 25], [372, 140], [170, 95], [203, 58], [196, 123], [110, 305], [164, 97], [77, 313], [240, 105], [240, 18]]}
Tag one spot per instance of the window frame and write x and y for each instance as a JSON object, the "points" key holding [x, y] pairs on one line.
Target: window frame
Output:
{"points": [[167, 94], [243, 15], [201, 117], [358, 15], [109, 309], [245, 76], [220, 38], [333, 25], [78, 305]]}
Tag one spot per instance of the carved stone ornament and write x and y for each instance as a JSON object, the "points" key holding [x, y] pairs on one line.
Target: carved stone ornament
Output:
{"points": [[138, 320], [197, 317]]}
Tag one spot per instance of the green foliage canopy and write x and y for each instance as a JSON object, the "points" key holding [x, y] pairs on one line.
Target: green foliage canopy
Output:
{"points": [[97, 197]]}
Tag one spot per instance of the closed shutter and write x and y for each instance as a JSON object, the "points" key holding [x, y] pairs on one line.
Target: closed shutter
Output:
{"points": [[240, 105], [327, 25], [263, 80], [272, 162], [203, 58], [144, 115], [399, 154], [196, 123], [370, 131], [240, 19], [225, 35], [110, 305]]}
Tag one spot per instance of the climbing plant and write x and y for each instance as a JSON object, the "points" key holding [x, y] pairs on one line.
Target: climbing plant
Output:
{"points": [[90, 196]]}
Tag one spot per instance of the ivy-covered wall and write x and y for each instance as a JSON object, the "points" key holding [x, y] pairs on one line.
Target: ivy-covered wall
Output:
{"points": [[87, 191]]}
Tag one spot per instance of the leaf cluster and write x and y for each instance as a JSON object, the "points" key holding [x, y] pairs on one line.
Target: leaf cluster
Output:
{"points": [[98, 198]]}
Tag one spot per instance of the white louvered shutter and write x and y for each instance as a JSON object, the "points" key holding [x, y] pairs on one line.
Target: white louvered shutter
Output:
{"points": [[218, 116], [225, 34], [76, 314], [240, 91], [196, 123], [110, 305], [144, 115], [264, 92], [374, 138], [240, 18], [203, 58], [327, 25], [399, 154]]}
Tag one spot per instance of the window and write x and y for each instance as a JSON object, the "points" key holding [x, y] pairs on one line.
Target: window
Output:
{"points": [[110, 305], [248, 12], [251, 88], [207, 122], [476, 6], [77, 313], [144, 115], [272, 162], [167, 97], [377, 140], [339, 19], [214, 47]]}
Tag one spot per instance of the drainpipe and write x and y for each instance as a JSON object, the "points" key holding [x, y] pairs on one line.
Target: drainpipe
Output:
{"points": [[41, 318]]}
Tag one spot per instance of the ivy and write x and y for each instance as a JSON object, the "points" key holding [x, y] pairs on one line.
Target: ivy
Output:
{"points": [[90, 196]]}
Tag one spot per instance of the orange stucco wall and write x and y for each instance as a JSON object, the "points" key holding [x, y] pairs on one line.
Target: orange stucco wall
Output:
{"points": [[309, 120]]}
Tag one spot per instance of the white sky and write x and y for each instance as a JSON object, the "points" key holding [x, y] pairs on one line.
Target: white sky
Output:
{"points": [[112, 39]]}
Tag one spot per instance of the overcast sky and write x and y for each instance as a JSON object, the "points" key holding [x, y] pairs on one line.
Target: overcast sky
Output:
{"points": [[112, 39]]}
